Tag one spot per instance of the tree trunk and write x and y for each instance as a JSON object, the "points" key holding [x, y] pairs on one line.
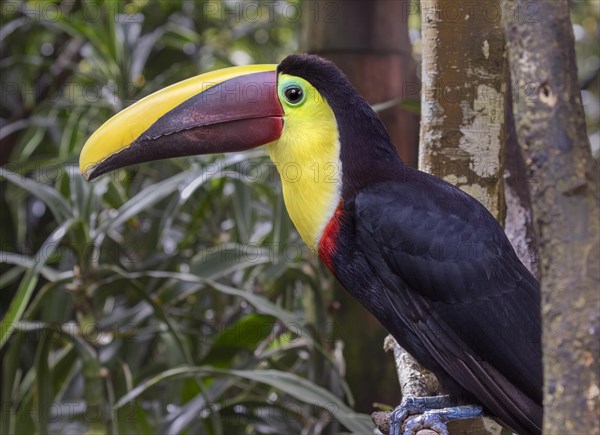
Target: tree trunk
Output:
{"points": [[565, 193], [463, 102], [369, 42], [463, 97], [519, 225]]}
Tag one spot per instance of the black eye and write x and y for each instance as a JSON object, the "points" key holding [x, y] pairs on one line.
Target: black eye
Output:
{"points": [[294, 94]]}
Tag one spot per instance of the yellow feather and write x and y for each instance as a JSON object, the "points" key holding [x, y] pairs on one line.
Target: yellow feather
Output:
{"points": [[307, 157]]}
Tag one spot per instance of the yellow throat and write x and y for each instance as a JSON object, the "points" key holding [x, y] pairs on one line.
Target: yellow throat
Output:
{"points": [[307, 157]]}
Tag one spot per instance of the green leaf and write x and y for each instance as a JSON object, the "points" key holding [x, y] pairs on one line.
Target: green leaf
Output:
{"points": [[412, 106], [259, 302], [213, 262], [29, 281], [143, 200], [23, 261], [9, 385], [11, 275], [54, 200], [289, 383], [308, 392], [245, 334], [43, 382]]}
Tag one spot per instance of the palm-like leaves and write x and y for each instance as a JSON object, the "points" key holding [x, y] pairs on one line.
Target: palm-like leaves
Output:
{"points": [[165, 299]]}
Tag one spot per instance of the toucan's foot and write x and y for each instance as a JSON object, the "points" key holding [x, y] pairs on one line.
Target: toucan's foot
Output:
{"points": [[436, 419], [433, 413], [415, 405]]}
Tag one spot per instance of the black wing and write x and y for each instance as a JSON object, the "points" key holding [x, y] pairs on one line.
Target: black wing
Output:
{"points": [[453, 277]]}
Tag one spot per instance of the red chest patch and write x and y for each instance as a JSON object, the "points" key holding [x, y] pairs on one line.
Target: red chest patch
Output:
{"points": [[328, 242]]}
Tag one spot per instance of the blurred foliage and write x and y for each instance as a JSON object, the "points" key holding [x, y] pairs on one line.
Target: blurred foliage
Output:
{"points": [[174, 297], [585, 15]]}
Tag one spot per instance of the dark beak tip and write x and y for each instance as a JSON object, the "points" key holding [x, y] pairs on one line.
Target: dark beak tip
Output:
{"points": [[88, 173]]}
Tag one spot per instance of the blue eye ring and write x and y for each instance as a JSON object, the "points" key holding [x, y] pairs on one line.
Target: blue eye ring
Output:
{"points": [[294, 94]]}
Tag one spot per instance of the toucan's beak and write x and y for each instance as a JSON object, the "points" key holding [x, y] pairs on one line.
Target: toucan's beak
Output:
{"points": [[233, 109]]}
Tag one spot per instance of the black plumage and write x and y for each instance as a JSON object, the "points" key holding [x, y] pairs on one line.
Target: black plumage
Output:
{"points": [[432, 264]]}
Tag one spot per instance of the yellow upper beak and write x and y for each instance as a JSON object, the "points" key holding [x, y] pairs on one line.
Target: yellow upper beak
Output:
{"points": [[195, 116]]}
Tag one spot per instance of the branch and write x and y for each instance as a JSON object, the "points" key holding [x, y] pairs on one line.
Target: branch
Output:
{"points": [[415, 381]]}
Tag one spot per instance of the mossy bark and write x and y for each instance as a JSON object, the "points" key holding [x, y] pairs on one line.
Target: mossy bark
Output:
{"points": [[564, 182]]}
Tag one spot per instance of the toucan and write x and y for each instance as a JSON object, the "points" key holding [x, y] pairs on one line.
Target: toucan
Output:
{"points": [[425, 258]]}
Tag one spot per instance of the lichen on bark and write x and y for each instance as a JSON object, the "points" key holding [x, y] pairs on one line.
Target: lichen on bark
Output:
{"points": [[463, 94]]}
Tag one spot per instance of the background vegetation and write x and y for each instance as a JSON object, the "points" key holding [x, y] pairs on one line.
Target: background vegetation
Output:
{"points": [[175, 297]]}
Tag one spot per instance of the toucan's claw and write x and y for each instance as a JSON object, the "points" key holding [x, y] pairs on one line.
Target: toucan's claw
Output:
{"points": [[436, 419], [433, 412], [429, 420], [413, 406]]}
